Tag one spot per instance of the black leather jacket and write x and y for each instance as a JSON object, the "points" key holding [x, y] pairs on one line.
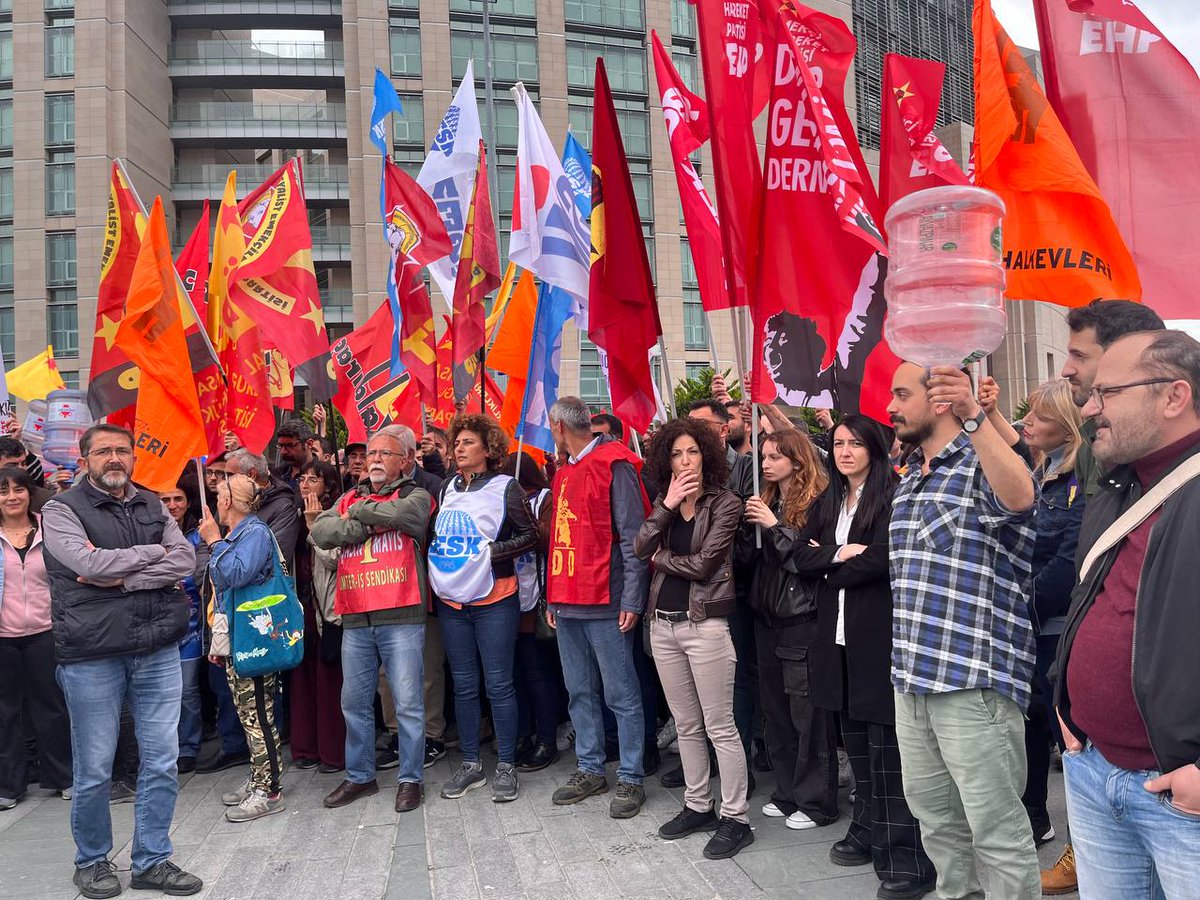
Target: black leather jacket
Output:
{"points": [[779, 593]]}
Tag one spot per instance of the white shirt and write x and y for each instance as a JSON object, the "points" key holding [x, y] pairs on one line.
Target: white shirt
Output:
{"points": [[841, 534]]}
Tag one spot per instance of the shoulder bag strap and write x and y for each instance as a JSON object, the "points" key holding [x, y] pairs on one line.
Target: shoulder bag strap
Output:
{"points": [[1140, 511]]}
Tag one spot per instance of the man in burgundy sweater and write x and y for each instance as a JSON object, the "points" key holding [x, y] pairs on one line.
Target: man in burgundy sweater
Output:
{"points": [[1128, 693]]}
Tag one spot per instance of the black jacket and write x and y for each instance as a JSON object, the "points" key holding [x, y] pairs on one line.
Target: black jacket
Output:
{"points": [[1166, 666], [868, 622], [779, 593], [281, 511], [518, 533]]}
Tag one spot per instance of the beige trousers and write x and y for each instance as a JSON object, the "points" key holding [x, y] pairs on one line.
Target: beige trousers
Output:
{"points": [[435, 686], [696, 661]]}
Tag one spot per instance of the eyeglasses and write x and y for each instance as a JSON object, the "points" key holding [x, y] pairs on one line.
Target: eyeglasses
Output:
{"points": [[310, 479], [290, 445], [1099, 393], [382, 454], [119, 452]]}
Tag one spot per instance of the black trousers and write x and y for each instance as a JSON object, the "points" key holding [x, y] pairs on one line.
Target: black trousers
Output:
{"points": [[881, 822], [27, 677], [1041, 727], [801, 739]]}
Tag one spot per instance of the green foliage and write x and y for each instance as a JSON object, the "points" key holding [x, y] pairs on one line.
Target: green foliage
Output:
{"points": [[1021, 410], [338, 424], [699, 387]]}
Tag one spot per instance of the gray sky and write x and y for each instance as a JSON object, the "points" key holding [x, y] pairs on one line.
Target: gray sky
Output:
{"points": [[1177, 19]]}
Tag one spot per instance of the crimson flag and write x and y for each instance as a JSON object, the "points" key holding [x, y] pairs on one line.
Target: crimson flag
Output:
{"points": [[622, 312], [368, 397], [478, 276], [912, 158], [192, 266], [1130, 102]]}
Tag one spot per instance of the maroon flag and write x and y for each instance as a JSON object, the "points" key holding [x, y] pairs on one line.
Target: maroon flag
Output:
{"points": [[686, 116], [478, 276], [622, 312], [368, 396], [1130, 102], [736, 77], [819, 306], [912, 157]]}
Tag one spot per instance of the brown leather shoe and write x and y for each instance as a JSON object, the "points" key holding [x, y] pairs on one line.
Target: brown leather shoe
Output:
{"points": [[347, 792], [1061, 879], [409, 795]]}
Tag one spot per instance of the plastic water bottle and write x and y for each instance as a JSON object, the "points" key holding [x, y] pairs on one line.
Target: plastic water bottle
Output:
{"points": [[33, 432], [945, 282], [67, 418]]}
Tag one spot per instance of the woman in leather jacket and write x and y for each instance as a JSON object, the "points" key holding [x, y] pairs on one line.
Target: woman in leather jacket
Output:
{"points": [[848, 552], [801, 739], [689, 538]]}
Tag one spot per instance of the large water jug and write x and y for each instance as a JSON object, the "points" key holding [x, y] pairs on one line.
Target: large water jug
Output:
{"points": [[33, 432], [945, 282], [67, 418]]}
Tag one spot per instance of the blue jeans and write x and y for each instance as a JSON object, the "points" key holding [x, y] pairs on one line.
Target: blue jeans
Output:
{"points": [[597, 658], [1128, 842], [94, 689], [191, 728], [487, 633], [400, 649], [229, 726]]}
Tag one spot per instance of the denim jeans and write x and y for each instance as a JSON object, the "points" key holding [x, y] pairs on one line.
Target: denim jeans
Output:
{"points": [[400, 649], [229, 726], [94, 689], [1129, 843], [597, 660], [191, 727], [488, 634]]}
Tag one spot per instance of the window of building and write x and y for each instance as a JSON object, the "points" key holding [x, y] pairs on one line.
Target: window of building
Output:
{"points": [[60, 259], [514, 53], [693, 370], [62, 322], [404, 36], [8, 329], [6, 52], [593, 388], [687, 67], [60, 120], [6, 263], [683, 19], [60, 182], [410, 5], [60, 48], [626, 66], [606, 13], [6, 124], [1051, 369], [70, 379], [517, 9], [695, 328], [632, 119], [6, 192]]}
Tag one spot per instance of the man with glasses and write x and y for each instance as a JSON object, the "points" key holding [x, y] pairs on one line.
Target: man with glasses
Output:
{"points": [[115, 558], [292, 441], [1126, 695], [381, 528]]}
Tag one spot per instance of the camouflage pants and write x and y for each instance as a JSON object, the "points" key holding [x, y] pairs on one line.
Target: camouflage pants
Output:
{"points": [[255, 702]]}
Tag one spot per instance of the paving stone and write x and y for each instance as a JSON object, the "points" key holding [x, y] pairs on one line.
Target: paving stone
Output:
{"points": [[454, 883], [590, 880], [535, 859]]}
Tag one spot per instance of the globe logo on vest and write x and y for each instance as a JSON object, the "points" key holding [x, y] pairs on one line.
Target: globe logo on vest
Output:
{"points": [[457, 541]]}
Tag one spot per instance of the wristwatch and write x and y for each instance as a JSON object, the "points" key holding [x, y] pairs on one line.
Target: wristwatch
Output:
{"points": [[970, 426]]}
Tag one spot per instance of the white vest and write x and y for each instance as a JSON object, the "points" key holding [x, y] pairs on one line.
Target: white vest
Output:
{"points": [[529, 578], [460, 557]]}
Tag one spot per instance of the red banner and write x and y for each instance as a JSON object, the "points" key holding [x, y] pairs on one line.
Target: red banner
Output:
{"points": [[368, 396], [1130, 102], [478, 269]]}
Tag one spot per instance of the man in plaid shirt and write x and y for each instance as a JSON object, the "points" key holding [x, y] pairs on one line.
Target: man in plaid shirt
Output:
{"points": [[962, 539]]}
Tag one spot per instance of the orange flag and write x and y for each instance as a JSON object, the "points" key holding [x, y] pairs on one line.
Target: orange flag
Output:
{"points": [[168, 429], [510, 351], [1060, 241]]}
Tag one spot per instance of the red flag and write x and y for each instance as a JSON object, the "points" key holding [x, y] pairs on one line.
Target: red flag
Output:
{"points": [[818, 316], [441, 414], [418, 237], [1131, 103], [686, 116], [192, 266], [736, 66], [912, 157], [622, 312], [478, 275], [368, 395]]}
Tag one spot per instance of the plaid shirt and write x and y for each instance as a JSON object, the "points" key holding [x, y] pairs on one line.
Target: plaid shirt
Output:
{"points": [[961, 572]]}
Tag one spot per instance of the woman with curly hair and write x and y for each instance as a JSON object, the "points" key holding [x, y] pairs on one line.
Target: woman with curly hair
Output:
{"points": [[689, 537], [801, 739], [482, 526]]}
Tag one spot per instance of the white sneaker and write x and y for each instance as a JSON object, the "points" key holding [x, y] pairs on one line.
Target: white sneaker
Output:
{"points": [[666, 735], [771, 811], [798, 821], [234, 798], [256, 805]]}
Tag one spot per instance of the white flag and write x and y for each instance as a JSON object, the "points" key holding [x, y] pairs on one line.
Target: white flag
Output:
{"points": [[448, 175], [549, 236]]}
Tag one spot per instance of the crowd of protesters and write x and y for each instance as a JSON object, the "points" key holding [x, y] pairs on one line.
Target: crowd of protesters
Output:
{"points": [[941, 604]]}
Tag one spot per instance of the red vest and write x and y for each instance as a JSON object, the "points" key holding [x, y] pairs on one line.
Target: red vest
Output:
{"points": [[379, 573], [581, 537]]}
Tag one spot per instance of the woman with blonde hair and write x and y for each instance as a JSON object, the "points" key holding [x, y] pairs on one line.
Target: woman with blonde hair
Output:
{"points": [[245, 556], [801, 739], [1052, 431]]}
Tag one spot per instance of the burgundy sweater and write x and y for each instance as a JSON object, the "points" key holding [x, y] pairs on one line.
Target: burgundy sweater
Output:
{"points": [[1100, 670]]}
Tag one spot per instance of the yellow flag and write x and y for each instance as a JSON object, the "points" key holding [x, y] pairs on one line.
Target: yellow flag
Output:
{"points": [[229, 243], [35, 378]]}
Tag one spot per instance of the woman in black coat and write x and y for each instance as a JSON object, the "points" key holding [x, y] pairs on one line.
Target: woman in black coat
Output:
{"points": [[851, 658]]}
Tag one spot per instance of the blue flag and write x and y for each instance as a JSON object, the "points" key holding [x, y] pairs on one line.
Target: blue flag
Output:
{"points": [[541, 385], [387, 101], [578, 166]]}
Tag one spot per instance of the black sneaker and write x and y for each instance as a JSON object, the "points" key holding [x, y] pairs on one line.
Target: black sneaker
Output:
{"points": [[730, 839], [1043, 830], [688, 822], [672, 778], [98, 880], [434, 751], [168, 878], [387, 759]]}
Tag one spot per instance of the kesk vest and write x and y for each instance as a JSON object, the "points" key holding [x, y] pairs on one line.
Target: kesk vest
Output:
{"points": [[581, 535], [460, 557], [379, 573]]}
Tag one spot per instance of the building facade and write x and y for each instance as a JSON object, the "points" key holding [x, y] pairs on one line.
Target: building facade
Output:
{"points": [[184, 90]]}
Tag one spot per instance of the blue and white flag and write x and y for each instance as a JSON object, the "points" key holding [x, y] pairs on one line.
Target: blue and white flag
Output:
{"points": [[448, 176], [578, 166], [549, 236], [387, 101], [541, 386]]}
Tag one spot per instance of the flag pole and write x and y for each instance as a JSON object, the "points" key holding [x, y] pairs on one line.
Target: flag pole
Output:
{"points": [[200, 485], [754, 445], [333, 439], [483, 378], [712, 344], [666, 371]]}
